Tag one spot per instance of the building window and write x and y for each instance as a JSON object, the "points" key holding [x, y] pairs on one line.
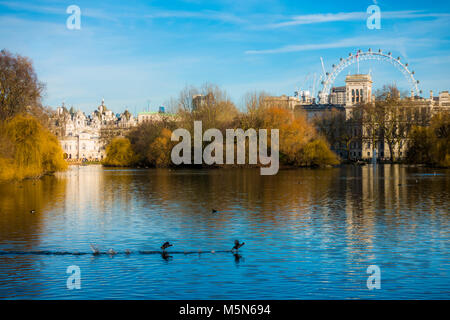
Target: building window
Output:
{"points": [[368, 154]]}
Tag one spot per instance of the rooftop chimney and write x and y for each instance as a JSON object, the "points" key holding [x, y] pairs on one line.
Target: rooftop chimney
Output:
{"points": [[431, 94]]}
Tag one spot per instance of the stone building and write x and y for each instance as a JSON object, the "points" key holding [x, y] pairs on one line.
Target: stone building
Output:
{"points": [[338, 96], [357, 91], [81, 136], [201, 100], [285, 101]]}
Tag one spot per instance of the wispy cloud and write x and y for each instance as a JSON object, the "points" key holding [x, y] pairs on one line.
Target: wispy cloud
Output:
{"points": [[206, 15], [349, 16], [346, 43], [317, 18], [55, 10], [31, 7]]}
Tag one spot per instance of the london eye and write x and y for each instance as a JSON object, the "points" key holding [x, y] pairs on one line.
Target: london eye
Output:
{"points": [[330, 77]]}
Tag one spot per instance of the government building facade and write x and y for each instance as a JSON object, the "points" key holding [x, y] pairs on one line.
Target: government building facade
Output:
{"points": [[84, 137], [346, 99]]}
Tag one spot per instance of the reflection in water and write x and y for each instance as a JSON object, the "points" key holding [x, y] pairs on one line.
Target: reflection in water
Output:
{"points": [[308, 233], [237, 258], [165, 255]]}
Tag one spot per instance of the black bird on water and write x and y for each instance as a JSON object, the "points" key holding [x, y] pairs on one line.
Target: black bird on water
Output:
{"points": [[213, 211], [166, 245], [237, 245]]}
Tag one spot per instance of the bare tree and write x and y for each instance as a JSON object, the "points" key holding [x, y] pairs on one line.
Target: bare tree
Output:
{"points": [[349, 130], [327, 123], [209, 104], [20, 89]]}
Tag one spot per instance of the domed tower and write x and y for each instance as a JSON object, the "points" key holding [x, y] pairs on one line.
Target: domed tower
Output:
{"points": [[102, 107]]}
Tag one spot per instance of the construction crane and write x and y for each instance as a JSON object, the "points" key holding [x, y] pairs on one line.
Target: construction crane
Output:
{"points": [[323, 68]]}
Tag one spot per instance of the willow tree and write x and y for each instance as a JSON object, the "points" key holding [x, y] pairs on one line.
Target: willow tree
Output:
{"points": [[431, 144], [119, 153], [33, 149]]}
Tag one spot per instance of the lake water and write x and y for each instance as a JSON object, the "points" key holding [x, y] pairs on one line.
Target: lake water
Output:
{"points": [[309, 234]]}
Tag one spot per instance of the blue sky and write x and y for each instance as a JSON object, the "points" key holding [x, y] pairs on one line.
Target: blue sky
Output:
{"points": [[139, 53]]}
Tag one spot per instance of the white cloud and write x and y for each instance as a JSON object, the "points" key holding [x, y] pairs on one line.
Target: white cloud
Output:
{"points": [[347, 43], [349, 16], [207, 15]]}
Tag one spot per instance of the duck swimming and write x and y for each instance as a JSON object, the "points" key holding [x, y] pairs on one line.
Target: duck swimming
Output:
{"points": [[237, 245], [111, 252], [166, 245], [95, 250]]}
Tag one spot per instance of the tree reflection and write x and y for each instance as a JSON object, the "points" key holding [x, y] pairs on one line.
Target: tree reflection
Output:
{"points": [[17, 199]]}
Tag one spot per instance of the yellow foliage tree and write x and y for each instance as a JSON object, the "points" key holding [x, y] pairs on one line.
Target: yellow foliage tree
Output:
{"points": [[119, 153], [300, 145], [317, 153], [33, 152], [160, 149], [431, 145]]}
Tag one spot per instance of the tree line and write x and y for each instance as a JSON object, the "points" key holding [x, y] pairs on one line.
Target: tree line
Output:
{"points": [[149, 144]]}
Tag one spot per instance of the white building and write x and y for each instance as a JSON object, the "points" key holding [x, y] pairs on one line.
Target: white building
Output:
{"points": [[80, 135]]}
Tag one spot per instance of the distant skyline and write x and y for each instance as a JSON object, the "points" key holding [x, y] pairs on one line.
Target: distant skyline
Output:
{"points": [[139, 53]]}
